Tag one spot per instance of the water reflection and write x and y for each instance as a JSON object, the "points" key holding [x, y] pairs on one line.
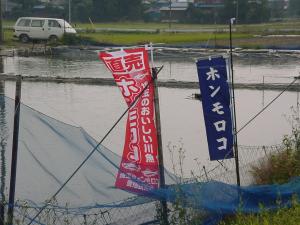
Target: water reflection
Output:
{"points": [[248, 68], [96, 108]]}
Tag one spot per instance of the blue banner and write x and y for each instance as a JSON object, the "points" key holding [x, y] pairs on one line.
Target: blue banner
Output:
{"points": [[215, 95]]}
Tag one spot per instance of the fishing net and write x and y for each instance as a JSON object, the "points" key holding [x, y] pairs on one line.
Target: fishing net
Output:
{"points": [[50, 151]]}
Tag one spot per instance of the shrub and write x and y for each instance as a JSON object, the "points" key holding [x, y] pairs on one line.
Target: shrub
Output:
{"points": [[279, 167], [71, 39], [286, 216]]}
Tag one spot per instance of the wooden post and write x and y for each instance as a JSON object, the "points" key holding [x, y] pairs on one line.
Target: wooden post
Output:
{"points": [[162, 183], [14, 158], [70, 11], [263, 92], [236, 152], [205, 173], [2, 147], [1, 24], [170, 13]]}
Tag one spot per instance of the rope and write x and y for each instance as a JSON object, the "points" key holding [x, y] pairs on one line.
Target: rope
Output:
{"points": [[94, 149], [270, 103]]}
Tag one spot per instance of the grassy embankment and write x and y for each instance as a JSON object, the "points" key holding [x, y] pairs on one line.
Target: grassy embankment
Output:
{"points": [[246, 36], [278, 168], [285, 216]]}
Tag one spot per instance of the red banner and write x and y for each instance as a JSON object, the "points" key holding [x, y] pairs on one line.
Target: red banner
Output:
{"points": [[139, 166]]}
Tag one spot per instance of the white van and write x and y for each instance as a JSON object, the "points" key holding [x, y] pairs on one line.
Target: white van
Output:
{"points": [[32, 28]]}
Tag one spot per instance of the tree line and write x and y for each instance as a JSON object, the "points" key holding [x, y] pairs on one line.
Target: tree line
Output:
{"points": [[82, 10], [246, 11]]}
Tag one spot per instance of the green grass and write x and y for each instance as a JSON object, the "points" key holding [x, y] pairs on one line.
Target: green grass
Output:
{"points": [[140, 25], [141, 38], [8, 23], [286, 216], [8, 38], [243, 32], [240, 28], [167, 38], [263, 27]]}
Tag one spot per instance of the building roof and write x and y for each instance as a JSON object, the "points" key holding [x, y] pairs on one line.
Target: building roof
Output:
{"points": [[175, 6], [172, 9], [57, 2], [214, 5]]}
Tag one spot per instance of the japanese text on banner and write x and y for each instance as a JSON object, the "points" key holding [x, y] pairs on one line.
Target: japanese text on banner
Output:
{"points": [[139, 166], [214, 89]]}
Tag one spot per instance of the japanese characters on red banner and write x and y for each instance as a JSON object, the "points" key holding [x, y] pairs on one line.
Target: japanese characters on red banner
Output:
{"points": [[139, 165]]}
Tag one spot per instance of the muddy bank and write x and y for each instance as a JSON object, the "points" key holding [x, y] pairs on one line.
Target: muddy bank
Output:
{"points": [[269, 44], [27, 51], [91, 52], [161, 83]]}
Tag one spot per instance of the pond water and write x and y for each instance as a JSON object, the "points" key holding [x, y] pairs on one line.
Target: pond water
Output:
{"points": [[248, 68], [96, 108]]}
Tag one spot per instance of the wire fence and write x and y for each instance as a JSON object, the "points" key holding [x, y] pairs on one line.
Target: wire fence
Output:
{"points": [[145, 213], [54, 215], [249, 156]]}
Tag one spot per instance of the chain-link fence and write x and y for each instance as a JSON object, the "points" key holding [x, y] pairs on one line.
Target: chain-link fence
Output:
{"points": [[145, 213]]}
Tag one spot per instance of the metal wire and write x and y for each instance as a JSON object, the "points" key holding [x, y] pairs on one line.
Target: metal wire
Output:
{"points": [[270, 103], [94, 149]]}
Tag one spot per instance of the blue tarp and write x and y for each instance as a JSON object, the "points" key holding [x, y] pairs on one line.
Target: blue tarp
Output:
{"points": [[50, 150]]}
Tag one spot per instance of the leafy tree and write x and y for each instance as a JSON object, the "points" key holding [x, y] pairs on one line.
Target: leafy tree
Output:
{"points": [[258, 11], [116, 10], [53, 11], [131, 9], [194, 15], [294, 8], [246, 11], [200, 15], [241, 10], [24, 8], [105, 10], [81, 10], [26, 5], [276, 10], [229, 10]]}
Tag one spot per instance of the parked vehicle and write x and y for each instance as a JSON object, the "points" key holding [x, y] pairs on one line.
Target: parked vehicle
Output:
{"points": [[36, 28]]}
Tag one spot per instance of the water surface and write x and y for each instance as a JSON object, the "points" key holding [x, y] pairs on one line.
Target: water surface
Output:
{"points": [[96, 108], [248, 68]]}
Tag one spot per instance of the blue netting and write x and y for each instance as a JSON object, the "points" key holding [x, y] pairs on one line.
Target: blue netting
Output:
{"points": [[50, 150], [219, 199]]}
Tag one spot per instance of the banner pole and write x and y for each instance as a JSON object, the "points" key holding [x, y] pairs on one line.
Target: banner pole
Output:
{"points": [[236, 152], [162, 183], [14, 158], [2, 147], [164, 207]]}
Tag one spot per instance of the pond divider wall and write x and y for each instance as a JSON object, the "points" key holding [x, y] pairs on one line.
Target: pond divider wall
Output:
{"points": [[161, 83]]}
